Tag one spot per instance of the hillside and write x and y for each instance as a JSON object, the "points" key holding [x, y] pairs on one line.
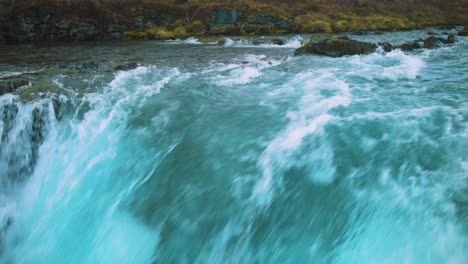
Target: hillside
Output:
{"points": [[23, 20]]}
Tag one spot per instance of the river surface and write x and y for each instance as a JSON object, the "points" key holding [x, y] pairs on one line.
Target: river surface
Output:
{"points": [[234, 153]]}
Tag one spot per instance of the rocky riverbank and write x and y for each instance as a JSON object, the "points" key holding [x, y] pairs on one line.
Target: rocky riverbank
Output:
{"points": [[99, 20]]}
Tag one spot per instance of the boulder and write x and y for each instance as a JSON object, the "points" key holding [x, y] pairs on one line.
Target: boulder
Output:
{"points": [[386, 46], [278, 42], [431, 32], [463, 31], [449, 40], [433, 43], [335, 47], [407, 46]]}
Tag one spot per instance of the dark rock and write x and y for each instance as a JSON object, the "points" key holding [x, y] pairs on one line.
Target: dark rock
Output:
{"points": [[10, 86], [126, 67], [386, 46], [279, 42], [431, 32], [335, 47], [410, 46], [432, 43], [451, 38], [225, 17], [463, 31], [250, 28]]}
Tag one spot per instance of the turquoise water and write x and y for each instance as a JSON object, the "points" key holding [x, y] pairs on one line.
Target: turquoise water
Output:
{"points": [[234, 154]]}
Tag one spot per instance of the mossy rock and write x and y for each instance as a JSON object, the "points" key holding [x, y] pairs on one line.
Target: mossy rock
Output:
{"points": [[249, 28], [228, 30], [463, 31], [135, 35], [316, 27], [431, 32], [336, 47], [342, 26]]}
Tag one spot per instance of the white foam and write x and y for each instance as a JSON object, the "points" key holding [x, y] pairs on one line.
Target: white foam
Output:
{"points": [[242, 73], [77, 176], [394, 65], [192, 40], [309, 119], [294, 42]]}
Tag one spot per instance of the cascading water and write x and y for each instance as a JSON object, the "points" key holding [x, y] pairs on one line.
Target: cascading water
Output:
{"points": [[236, 154]]}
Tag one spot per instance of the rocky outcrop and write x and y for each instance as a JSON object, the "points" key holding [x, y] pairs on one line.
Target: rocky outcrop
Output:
{"points": [[335, 47], [463, 31], [9, 86]]}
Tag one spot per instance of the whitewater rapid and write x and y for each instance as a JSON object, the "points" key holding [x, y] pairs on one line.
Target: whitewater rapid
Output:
{"points": [[248, 155]]}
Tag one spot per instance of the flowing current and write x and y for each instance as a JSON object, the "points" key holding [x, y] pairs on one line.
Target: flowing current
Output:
{"points": [[237, 153]]}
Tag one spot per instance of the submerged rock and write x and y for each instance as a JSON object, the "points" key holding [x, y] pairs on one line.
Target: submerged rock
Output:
{"points": [[279, 42], [126, 67], [9, 86], [335, 47], [463, 31], [79, 67]]}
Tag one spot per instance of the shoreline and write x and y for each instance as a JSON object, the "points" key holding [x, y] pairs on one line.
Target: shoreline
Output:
{"points": [[83, 20], [222, 36]]}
